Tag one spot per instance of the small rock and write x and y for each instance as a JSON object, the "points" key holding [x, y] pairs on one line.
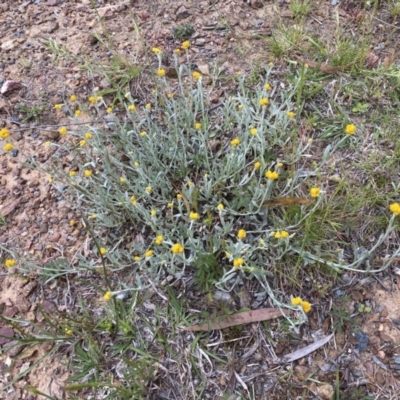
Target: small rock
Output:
{"points": [[381, 354], [10, 312], [3, 239], [14, 152], [13, 349], [50, 134], [36, 204], [200, 42], [43, 229], [361, 340], [181, 13], [17, 135], [104, 83], [9, 86], [8, 45], [48, 307], [204, 69], [54, 237], [6, 331], [54, 2], [325, 392], [53, 27], [385, 337]]}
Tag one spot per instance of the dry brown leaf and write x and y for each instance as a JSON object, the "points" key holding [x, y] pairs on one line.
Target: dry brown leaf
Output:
{"points": [[389, 60], [285, 201], [371, 59], [329, 69], [246, 317], [288, 358], [9, 208]]}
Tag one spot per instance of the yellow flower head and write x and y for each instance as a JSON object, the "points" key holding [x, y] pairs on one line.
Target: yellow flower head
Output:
{"points": [[62, 131], [103, 251], [253, 131], [153, 213], [131, 107], [350, 129], [185, 45], [10, 263], [241, 234], [179, 196], [149, 189], [82, 143], [196, 75], [296, 301], [177, 248], [107, 296], [148, 106], [177, 51], [78, 113], [314, 192], [220, 207], [148, 253], [257, 165], [306, 306], [136, 258], [291, 114], [109, 110], [73, 222], [72, 97], [87, 172], [4, 133], [133, 200], [159, 239], [143, 133], [267, 87], [122, 179], [137, 164], [92, 99], [88, 135], [197, 125], [72, 173], [264, 102], [273, 175], [8, 147], [281, 235], [170, 204], [170, 95], [57, 106], [156, 50], [193, 215], [68, 332], [279, 165], [161, 72], [240, 106], [237, 262], [235, 142], [395, 208]]}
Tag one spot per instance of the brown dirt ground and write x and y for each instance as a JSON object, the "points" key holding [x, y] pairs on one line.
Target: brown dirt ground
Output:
{"points": [[38, 216]]}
